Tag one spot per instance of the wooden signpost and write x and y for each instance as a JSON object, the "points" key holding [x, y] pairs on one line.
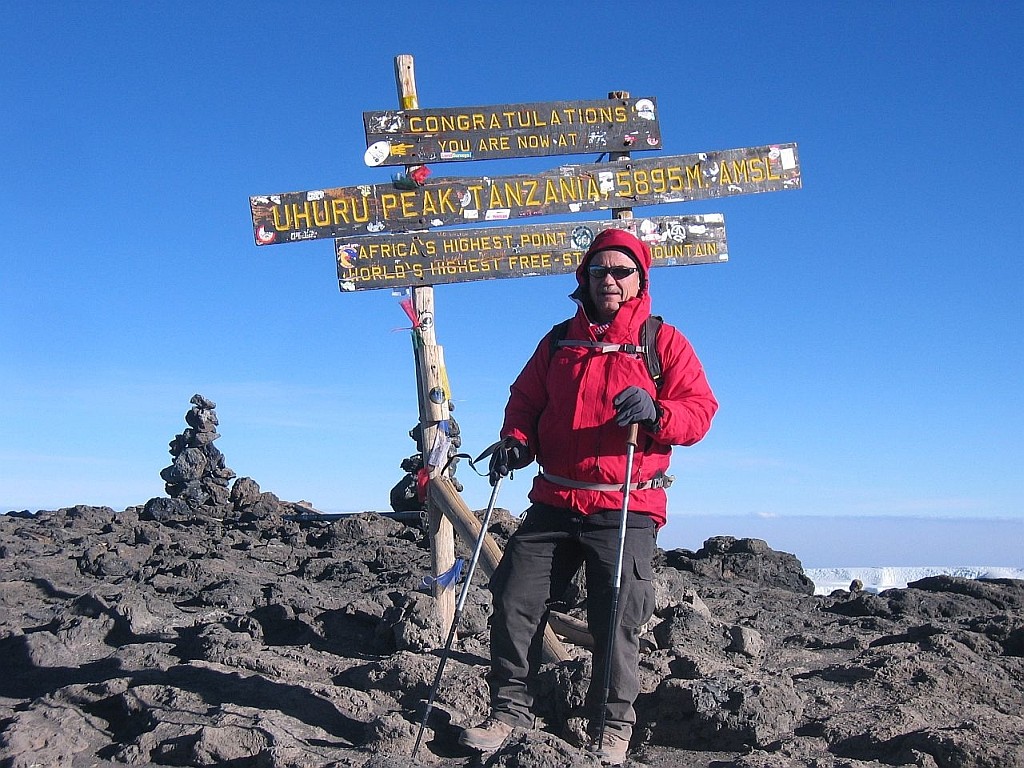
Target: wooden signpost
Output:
{"points": [[384, 234], [490, 253], [378, 208], [411, 136]]}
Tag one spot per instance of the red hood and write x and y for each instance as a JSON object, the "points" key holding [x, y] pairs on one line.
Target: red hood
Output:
{"points": [[616, 240]]}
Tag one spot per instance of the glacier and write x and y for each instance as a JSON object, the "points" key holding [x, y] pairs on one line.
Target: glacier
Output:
{"points": [[879, 578]]}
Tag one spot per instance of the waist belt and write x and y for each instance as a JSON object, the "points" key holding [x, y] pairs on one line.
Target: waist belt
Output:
{"points": [[659, 481]]}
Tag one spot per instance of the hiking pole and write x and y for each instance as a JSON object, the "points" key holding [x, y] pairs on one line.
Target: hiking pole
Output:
{"points": [[616, 585], [458, 612]]}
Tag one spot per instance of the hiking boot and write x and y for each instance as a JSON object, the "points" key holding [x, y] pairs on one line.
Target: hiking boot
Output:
{"points": [[614, 750], [486, 737]]}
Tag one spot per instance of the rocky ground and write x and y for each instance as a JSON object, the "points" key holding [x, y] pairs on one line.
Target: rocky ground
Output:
{"points": [[243, 635]]}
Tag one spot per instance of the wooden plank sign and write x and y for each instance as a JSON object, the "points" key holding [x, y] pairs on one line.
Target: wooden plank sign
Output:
{"points": [[418, 136], [488, 253], [376, 209]]}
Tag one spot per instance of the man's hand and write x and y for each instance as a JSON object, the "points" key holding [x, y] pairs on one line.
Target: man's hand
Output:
{"points": [[634, 405], [509, 455]]}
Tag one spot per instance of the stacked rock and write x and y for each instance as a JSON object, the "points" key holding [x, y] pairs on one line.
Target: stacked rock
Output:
{"points": [[198, 475]]}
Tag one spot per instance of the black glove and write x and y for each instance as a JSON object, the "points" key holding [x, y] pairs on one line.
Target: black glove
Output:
{"points": [[509, 455], [634, 405]]}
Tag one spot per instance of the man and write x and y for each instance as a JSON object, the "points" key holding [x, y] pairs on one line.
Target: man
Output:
{"points": [[570, 409]]}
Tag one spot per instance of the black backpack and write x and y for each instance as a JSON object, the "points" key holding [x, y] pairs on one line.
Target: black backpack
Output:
{"points": [[648, 351]]}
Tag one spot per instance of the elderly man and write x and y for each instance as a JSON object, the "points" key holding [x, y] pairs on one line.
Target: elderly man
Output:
{"points": [[570, 409]]}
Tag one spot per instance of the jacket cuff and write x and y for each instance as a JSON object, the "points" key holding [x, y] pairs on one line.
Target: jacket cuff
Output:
{"points": [[654, 427]]}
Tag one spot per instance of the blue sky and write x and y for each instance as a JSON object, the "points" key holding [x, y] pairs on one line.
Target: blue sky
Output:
{"points": [[864, 338]]}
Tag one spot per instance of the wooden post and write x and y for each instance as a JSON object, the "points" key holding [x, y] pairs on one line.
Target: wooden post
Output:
{"points": [[433, 393], [444, 505], [620, 213], [443, 492]]}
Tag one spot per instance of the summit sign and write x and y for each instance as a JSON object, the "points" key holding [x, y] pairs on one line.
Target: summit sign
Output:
{"points": [[525, 250], [418, 136], [376, 209]]}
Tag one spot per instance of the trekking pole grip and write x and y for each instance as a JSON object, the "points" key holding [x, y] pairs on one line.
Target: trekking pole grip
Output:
{"points": [[631, 438]]}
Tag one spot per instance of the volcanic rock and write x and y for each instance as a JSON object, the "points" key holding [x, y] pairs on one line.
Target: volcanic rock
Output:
{"points": [[258, 633]]}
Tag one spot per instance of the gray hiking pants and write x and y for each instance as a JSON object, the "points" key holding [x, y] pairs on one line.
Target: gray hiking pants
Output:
{"points": [[539, 563]]}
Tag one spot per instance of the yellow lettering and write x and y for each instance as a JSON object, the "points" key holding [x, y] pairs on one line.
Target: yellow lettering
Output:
{"points": [[445, 201], [455, 145], [287, 219], [739, 172], [756, 169], [533, 141], [429, 206], [550, 191], [640, 179], [624, 184], [593, 115], [408, 198], [304, 215], [387, 202], [321, 218], [531, 194], [568, 187], [495, 143], [684, 250], [658, 185], [513, 194], [495, 198]]}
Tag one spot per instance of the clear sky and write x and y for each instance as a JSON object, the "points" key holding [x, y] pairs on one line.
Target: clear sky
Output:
{"points": [[864, 338]]}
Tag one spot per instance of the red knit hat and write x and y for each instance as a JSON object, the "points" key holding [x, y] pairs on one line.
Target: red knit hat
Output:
{"points": [[614, 239]]}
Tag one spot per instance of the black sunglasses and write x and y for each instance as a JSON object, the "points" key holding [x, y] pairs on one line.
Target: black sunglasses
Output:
{"points": [[619, 273]]}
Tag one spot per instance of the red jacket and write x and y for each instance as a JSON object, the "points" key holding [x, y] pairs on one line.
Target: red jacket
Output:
{"points": [[561, 408]]}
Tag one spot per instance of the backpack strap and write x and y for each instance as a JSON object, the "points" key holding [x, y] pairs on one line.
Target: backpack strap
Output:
{"points": [[558, 332], [604, 346], [649, 342], [648, 350]]}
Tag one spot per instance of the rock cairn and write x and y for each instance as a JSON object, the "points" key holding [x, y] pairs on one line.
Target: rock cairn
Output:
{"points": [[198, 475]]}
